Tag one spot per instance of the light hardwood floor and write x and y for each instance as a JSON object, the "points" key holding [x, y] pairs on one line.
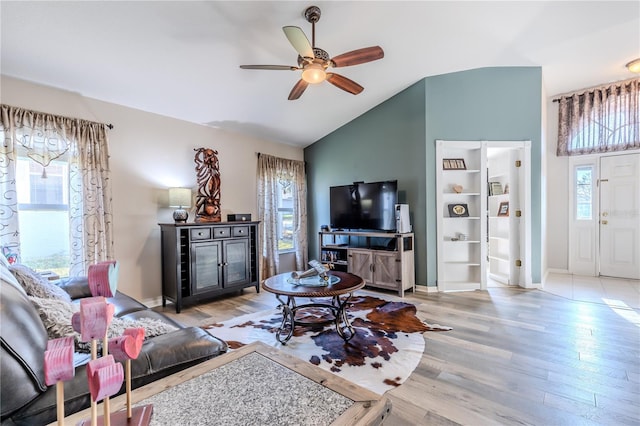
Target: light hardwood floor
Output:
{"points": [[514, 356]]}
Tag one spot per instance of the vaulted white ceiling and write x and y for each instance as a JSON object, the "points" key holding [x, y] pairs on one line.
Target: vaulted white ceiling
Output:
{"points": [[181, 58]]}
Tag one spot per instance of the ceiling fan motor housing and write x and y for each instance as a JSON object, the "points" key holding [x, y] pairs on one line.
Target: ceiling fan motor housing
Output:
{"points": [[320, 57], [312, 14]]}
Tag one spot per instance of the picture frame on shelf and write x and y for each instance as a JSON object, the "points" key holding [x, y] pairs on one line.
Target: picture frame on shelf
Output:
{"points": [[458, 210], [503, 209], [495, 188], [453, 164]]}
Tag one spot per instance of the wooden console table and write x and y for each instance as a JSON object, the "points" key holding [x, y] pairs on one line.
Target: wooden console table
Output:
{"points": [[363, 407]]}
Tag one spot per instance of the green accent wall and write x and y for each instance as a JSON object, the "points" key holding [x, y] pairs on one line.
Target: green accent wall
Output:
{"points": [[396, 140]]}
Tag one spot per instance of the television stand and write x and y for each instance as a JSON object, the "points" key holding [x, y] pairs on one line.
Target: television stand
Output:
{"points": [[383, 260]]}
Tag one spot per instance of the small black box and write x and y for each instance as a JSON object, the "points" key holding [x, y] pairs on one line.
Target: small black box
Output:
{"points": [[239, 217]]}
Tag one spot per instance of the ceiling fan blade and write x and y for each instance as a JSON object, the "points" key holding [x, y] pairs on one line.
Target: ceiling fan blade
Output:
{"points": [[269, 67], [298, 90], [359, 56], [299, 41], [344, 83]]}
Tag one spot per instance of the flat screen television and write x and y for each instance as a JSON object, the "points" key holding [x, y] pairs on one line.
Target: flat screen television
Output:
{"points": [[366, 206]]}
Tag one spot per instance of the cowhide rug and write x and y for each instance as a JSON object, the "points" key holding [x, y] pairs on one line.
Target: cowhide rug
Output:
{"points": [[387, 346]]}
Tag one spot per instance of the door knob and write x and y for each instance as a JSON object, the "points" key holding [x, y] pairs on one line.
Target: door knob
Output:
{"points": [[604, 222], [605, 214]]}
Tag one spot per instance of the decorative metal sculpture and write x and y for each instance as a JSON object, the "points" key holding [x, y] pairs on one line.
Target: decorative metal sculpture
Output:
{"points": [[208, 177]]}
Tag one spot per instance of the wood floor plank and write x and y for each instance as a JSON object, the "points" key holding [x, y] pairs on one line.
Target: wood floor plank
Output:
{"points": [[514, 356]]}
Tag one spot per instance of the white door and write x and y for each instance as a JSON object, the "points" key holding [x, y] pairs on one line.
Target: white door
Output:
{"points": [[620, 216]]}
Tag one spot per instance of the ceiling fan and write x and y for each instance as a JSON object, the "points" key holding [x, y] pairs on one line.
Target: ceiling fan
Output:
{"points": [[314, 61]]}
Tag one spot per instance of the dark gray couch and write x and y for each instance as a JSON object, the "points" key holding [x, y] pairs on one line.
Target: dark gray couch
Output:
{"points": [[26, 400]]}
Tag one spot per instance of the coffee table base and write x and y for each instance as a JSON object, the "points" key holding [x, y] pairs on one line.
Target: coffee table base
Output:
{"points": [[338, 310]]}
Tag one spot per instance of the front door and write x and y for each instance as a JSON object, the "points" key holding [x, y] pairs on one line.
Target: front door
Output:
{"points": [[620, 216]]}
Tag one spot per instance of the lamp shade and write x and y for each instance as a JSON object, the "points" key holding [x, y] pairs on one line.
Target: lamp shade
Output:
{"points": [[179, 197], [314, 73]]}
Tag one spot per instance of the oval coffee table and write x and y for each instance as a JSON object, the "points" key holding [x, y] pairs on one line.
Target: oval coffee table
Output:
{"points": [[282, 285]]}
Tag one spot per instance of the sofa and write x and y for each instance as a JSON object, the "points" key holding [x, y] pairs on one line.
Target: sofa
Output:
{"points": [[25, 398]]}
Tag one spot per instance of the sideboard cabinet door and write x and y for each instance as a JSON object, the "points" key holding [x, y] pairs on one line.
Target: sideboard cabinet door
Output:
{"points": [[205, 266], [236, 262]]}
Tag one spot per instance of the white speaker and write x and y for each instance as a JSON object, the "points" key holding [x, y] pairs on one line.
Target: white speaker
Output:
{"points": [[402, 218]]}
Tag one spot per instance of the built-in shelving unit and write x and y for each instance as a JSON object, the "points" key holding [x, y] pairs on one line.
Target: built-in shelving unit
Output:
{"points": [[383, 260], [485, 177], [461, 239]]}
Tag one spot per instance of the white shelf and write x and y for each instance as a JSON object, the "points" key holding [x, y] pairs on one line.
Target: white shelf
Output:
{"points": [[500, 277], [461, 193], [462, 263], [461, 171], [499, 259], [463, 218]]}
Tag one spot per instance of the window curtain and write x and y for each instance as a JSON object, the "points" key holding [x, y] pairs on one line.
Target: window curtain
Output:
{"points": [[601, 119], [46, 137], [271, 170]]}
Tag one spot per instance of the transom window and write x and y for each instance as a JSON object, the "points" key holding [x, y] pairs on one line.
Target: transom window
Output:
{"points": [[601, 119]]}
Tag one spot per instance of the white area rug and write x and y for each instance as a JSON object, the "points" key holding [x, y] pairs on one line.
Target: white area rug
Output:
{"points": [[387, 347]]}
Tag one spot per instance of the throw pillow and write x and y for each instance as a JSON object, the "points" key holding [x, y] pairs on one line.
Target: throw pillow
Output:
{"points": [[36, 285], [8, 277], [56, 317]]}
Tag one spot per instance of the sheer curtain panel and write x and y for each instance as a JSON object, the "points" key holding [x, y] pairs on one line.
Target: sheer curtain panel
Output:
{"points": [[271, 171], [601, 119], [44, 138]]}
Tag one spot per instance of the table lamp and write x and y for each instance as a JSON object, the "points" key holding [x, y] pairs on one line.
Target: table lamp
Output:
{"points": [[180, 198]]}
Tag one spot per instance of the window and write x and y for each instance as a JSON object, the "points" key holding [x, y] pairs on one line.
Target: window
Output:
{"points": [[285, 216], [601, 119], [584, 192], [43, 214]]}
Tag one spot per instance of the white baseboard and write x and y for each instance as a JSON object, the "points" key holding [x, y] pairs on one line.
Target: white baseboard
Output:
{"points": [[539, 286], [426, 289], [152, 303], [556, 271]]}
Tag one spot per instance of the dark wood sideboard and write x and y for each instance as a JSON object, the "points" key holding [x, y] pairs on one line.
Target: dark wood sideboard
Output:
{"points": [[203, 260]]}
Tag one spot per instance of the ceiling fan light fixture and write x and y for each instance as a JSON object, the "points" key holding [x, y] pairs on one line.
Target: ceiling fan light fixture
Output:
{"points": [[314, 73], [634, 66]]}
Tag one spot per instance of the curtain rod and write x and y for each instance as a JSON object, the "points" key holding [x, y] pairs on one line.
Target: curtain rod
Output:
{"points": [[110, 126], [594, 89]]}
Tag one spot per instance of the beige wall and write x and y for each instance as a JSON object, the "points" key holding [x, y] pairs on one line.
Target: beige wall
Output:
{"points": [[150, 153], [557, 186]]}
